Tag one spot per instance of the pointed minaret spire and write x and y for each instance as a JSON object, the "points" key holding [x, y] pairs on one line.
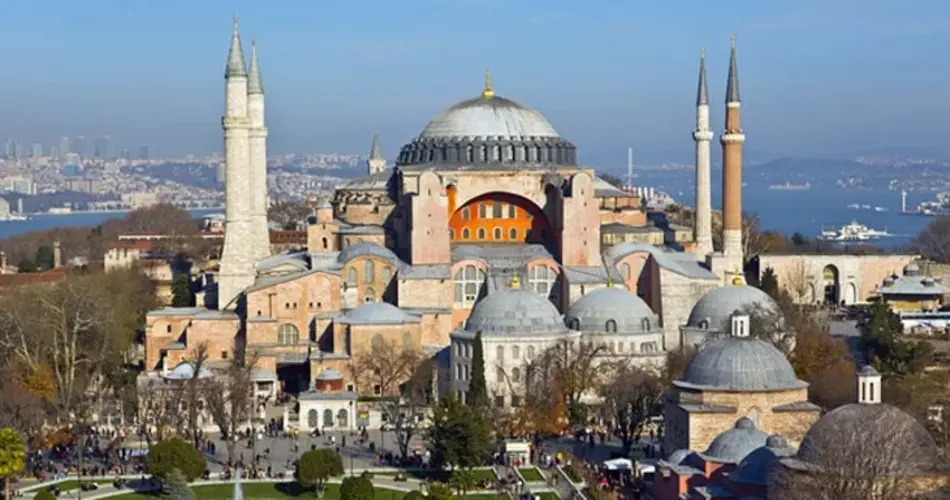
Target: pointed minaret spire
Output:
{"points": [[702, 92], [375, 163], [732, 87], [375, 152], [254, 83], [236, 66]]}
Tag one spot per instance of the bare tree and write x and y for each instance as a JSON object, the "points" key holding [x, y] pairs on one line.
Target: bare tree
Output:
{"points": [[631, 395], [796, 282], [877, 453], [754, 241], [403, 379], [159, 409], [934, 241], [770, 326], [571, 370], [230, 398], [195, 391]]}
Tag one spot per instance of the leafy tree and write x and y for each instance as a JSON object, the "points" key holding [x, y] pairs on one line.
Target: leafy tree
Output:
{"points": [[172, 454], [357, 488], [181, 292], [12, 457], [883, 345], [44, 258], [459, 435], [438, 491], [798, 239], [477, 388], [414, 495], [316, 466], [463, 480], [27, 266], [769, 283], [44, 494], [175, 487]]}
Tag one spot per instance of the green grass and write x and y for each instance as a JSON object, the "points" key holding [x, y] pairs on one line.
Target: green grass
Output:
{"points": [[264, 490], [439, 475], [547, 495], [73, 484], [531, 475]]}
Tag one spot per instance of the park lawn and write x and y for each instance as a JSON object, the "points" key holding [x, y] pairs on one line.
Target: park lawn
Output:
{"points": [[547, 495], [531, 475], [73, 484], [277, 491], [440, 475]]}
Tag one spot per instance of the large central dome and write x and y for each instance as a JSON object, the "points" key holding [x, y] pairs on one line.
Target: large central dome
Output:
{"points": [[489, 116], [488, 132]]}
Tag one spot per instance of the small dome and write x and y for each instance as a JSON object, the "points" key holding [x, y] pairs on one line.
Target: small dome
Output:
{"points": [[514, 312], [377, 313], [879, 427], [743, 364], [330, 374], [186, 371], [365, 250], [595, 309], [754, 468], [678, 456], [488, 117], [713, 311], [735, 444]]}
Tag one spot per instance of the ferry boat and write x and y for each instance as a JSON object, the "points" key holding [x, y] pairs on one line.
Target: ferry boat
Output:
{"points": [[788, 186], [13, 217], [853, 231]]}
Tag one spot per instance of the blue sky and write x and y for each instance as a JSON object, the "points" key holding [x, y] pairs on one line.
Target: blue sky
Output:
{"points": [[818, 77]]}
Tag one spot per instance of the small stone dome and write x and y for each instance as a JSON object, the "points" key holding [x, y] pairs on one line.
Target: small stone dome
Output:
{"points": [[869, 428], [713, 311], [377, 313], [735, 444], [186, 371], [739, 364], [629, 313], [365, 250], [515, 311], [678, 456], [754, 468], [330, 374]]}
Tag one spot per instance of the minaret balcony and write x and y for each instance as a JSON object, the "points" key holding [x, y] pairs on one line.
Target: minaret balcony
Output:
{"points": [[703, 135], [737, 137]]}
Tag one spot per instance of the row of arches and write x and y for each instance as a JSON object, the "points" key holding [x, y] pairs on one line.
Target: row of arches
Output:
{"points": [[497, 217], [342, 419]]}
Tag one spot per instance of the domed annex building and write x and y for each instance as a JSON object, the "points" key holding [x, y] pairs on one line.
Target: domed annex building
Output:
{"points": [[423, 254]]}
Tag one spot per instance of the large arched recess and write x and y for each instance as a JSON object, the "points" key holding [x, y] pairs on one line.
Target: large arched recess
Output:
{"points": [[500, 218]]}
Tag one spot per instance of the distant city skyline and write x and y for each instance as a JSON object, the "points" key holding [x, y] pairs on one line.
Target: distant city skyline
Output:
{"points": [[818, 78]]}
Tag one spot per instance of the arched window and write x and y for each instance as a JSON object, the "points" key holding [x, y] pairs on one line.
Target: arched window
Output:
{"points": [[287, 334], [515, 374], [326, 243], [342, 418], [369, 295], [468, 283], [497, 210], [645, 324], [313, 419], [497, 234], [351, 276], [515, 352], [466, 234], [369, 271], [704, 324], [500, 352], [465, 213], [541, 279], [513, 234], [328, 418], [512, 211], [377, 341], [482, 210], [574, 324], [481, 233], [625, 270], [387, 274], [530, 352], [611, 326]]}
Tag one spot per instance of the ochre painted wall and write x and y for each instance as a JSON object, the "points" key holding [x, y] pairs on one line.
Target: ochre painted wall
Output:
{"points": [[499, 217]]}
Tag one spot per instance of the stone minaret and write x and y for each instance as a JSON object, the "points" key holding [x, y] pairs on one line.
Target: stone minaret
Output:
{"points": [[375, 163], [732, 141], [257, 136], [237, 258], [702, 228]]}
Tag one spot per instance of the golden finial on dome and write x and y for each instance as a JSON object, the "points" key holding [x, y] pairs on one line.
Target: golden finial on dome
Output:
{"points": [[488, 93], [737, 278], [515, 282]]}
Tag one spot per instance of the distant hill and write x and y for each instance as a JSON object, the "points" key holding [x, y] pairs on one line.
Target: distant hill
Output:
{"points": [[810, 165]]}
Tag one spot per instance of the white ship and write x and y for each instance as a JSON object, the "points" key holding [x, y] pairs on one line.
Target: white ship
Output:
{"points": [[852, 232], [13, 217]]}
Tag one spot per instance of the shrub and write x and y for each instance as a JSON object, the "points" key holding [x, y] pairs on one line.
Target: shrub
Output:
{"points": [[175, 453], [356, 488]]}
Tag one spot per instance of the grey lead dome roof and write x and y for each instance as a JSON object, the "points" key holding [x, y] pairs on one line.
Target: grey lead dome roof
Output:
{"points": [[719, 304], [488, 117], [737, 443], [377, 313], [739, 364], [594, 309], [515, 311], [755, 467], [365, 250]]}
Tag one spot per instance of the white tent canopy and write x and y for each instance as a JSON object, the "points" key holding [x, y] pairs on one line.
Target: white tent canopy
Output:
{"points": [[619, 464]]}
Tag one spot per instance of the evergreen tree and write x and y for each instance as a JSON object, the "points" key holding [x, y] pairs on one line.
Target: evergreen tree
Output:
{"points": [[883, 345], [44, 258], [181, 292], [175, 487], [769, 283], [316, 466], [357, 488], [175, 454], [27, 266], [460, 435], [477, 388]]}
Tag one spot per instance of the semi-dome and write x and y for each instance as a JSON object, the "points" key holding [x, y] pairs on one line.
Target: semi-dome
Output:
{"points": [[869, 428], [713, 311], [739, 364], [678, 456], [377, 313], [755, 467], [365, 250], [492, 116], [593, 311], [515, 311], [186, 371], [735, 444]]}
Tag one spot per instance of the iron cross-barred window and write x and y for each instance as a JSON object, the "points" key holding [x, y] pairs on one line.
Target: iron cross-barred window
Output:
{"points": [[468, 283]]}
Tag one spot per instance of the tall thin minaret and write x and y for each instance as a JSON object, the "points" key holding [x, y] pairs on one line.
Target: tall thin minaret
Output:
{"points": [[257, 148], [237, 260], [702, 227], [629, 168], [732, 141], [375, 163]]}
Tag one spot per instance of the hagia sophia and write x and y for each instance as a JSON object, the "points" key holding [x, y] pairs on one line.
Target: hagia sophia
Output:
{"points": [[487, 224]]}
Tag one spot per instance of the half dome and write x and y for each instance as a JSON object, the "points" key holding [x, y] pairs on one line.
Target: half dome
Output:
{"points": [[515, 312], [629, 312], [713, 311], [737, 443], [739, 364]]}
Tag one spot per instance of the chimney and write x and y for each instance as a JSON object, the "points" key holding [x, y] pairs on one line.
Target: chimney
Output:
{"points": [[869, 386], [740, 326], [57, 255]]}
